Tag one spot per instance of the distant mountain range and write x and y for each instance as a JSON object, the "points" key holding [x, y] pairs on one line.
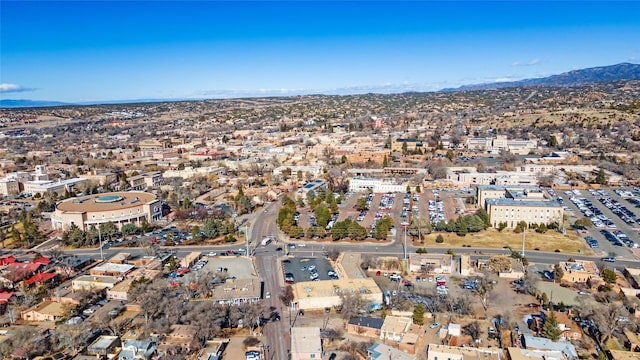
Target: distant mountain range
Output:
{"points": [[10, 103], [623, 71]]}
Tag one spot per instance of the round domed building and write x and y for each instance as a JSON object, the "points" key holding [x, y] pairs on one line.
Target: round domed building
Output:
{"points": [[120, 208]]}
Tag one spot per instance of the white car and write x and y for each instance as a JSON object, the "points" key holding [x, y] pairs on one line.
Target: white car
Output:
{"points": [[434, 325], [302, 245], [267, 295], [88, 311]]}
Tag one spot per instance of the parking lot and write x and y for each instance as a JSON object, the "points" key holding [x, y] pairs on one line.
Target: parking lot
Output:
{"points": [[301, 268], [593, 204], [231, 266]]}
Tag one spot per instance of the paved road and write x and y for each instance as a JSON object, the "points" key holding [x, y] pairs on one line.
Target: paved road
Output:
{"points": [[264, 224]]}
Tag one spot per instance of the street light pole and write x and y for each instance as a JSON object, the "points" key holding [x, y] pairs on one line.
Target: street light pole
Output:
{"points": [[405, 243], [100, 242], [246, 237]]}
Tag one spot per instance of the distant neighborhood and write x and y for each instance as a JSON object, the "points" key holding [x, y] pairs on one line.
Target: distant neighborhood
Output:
{"points": [[496, 224]]}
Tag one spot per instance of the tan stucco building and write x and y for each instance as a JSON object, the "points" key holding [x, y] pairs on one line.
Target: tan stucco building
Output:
{"points": [[120, 208], [326, 293]]}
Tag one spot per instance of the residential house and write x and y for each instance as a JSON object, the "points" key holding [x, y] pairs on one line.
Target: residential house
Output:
{"points": [[515, 353], [569, 329], [93, 282], [45, 311], [395, 327], [580, 272], [365, 326], [104, 345], [623, 355], [445, 352], [633, 340], [413, 339], [137, 349], [41, 279], [539, 343], [385, 352], [181, 337]]}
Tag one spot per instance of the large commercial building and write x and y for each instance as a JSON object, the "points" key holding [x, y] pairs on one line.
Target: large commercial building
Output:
{"points": [[310, 295], [118, 207], [501, 143], [513, 204], [376, 185]]}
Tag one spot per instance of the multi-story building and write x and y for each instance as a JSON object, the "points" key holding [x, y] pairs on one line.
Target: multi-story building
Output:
{"points": [[513, 204], [410, 144], [9, 186], [118, 207], [501, 143], [147, 180], [376, 185]]}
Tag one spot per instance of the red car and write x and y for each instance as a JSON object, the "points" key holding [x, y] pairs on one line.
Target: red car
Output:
{"points": [[534, 305]]}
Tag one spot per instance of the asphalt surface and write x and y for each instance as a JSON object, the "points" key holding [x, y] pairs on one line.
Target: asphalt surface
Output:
{"points": [[269, 268]]}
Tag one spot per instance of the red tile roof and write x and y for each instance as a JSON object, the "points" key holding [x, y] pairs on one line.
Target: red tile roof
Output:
{"points": [[40, 278], [7, 260], [42, 260], [5, 296]]}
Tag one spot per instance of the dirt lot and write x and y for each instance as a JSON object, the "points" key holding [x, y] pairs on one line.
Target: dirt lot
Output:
{"points": [[491, 238]]}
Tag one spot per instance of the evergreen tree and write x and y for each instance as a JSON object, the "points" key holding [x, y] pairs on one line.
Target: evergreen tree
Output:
{"points": [[418, 314], [550, 328], [601, 178], [482, 214], [558, 273], [609, 276]]}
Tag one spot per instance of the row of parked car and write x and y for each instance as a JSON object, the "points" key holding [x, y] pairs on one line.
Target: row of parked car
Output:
{"points": [[623, 213], [590, 211]]}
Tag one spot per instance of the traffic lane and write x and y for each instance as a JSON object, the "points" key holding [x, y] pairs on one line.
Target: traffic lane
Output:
{"points": [[267, 269]]}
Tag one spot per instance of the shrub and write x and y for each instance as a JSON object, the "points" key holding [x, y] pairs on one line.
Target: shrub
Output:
{"points": [[440, 239]]}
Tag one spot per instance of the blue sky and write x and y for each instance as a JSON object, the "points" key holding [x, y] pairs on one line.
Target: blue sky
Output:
{"points": [[98, 50]]}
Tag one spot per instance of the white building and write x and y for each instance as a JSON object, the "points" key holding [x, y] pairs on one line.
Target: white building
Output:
{"points": [[358, 184], [47, 186]]}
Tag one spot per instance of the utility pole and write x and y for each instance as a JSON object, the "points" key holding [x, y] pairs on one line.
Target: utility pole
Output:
{"points": [[246, 237]]}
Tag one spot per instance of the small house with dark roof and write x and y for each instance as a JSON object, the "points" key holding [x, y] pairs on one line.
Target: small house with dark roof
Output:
{"points": [[365, 326]]}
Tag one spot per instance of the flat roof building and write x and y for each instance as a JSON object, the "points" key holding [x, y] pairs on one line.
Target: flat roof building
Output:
{"points": [[238, 291], [437, 351], [511, 205], [306, 343], [326, 293], [117, 207]]}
